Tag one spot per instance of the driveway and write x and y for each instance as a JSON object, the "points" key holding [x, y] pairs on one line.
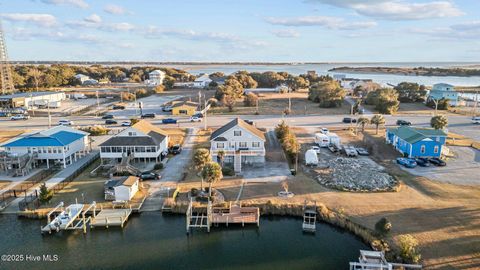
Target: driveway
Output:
{"points": [[464, 169], [172, 173], [275, 168]]}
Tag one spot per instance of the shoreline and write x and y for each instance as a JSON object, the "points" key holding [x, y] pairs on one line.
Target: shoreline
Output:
{"points": [[410, 72]]}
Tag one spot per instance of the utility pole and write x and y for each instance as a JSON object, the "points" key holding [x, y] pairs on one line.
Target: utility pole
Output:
{"points": [[49, 116], [205, 116], [98, 103], [6, 79], [476, 104]]}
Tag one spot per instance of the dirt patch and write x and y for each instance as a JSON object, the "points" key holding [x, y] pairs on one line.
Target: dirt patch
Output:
{"points": [[176, 135]]}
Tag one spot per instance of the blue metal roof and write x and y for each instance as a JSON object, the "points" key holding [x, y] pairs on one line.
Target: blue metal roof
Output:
{"points": [[61, 138]]}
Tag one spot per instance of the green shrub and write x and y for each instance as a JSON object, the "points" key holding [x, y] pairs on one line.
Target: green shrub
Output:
{"points": [[96, 130], [409, 248], [383, 226], [158, 166], [228, 171]]}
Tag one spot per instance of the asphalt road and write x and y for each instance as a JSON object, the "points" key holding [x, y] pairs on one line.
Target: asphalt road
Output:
{"points": [[458, 124]]}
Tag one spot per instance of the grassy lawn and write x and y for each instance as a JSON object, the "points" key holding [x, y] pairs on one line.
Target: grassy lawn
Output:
{"points": [[6, 135], [276, 103]]}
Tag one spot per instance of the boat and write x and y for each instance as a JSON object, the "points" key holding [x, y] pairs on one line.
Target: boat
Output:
{"points": [[65, 218]]}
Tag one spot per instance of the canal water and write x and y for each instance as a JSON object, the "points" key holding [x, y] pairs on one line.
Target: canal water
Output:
{"points": [[154, 241]]}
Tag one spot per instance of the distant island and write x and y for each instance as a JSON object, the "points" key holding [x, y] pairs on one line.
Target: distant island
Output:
{"points": [[418, 71]]}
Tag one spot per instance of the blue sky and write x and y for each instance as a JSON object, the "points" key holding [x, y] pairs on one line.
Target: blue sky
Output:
{"points": [[243, 30]]}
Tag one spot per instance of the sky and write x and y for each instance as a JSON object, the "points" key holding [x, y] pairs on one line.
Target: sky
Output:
{"points": [[243, 30]]}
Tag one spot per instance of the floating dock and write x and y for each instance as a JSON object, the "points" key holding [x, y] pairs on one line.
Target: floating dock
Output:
{"points": [[111, 217], [204, 217]]}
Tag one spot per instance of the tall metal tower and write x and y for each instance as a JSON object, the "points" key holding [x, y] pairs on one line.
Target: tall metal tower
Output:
{"points": [[6, 79]]}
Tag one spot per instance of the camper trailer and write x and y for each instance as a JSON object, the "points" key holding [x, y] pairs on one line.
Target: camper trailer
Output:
{"points": [[333, 139], [322, 140], [311, 157]]}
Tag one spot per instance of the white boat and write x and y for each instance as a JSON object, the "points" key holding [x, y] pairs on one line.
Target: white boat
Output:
{"points": [[65, 218]]}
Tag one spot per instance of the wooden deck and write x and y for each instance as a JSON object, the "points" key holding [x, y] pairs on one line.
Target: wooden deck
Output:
{"points": [[111, 217], [236, 214]]}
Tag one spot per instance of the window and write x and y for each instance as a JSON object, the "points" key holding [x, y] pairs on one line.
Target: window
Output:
{"points": [[237, 133], [220, 145], [182, 112], [435, 150], [132, 133], [255, 144], [422, 149], [242, 144]]}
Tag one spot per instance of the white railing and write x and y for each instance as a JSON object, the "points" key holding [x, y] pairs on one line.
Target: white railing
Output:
{"points": [[232, 152]]}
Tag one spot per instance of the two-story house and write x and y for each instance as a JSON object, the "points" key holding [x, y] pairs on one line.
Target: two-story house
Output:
{"points": [[155, 77], [58, 144], [417, 142], [240, 143], [444, 91], [141, 142]]}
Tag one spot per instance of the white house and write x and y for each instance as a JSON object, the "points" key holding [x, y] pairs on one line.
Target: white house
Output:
{"points": [[240, 142], [202, 81], [58, 144], [126, 189], [82, 78], [142, 141], [155, 78]]}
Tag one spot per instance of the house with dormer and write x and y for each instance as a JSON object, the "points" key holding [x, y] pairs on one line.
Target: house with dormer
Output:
{"points": [[140, 142], [417, 142], [239, 142]]}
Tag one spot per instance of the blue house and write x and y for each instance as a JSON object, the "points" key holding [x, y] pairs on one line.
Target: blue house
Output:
{"points": [[444, 91], [417, 142]]}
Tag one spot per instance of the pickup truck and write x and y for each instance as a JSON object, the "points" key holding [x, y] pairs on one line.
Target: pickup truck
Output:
{"points": [[350, 151]]}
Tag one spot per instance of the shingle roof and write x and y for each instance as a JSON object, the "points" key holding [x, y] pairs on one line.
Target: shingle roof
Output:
{"points": [[61, 138], [155, 136], [130, 141], [413, 135], [237, 122], [129, 181], [185, 103]]}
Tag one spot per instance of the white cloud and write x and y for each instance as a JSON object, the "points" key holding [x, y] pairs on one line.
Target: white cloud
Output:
{"points": [[398, 9], [286, 33], [45, 20], [461, 31], [325, 21], [118, 27], [76, 3], [94, 18], [114, 9]]}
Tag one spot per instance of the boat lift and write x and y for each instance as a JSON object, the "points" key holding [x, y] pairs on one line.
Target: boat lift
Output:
{"points": [[72, 217], [309, 217]]}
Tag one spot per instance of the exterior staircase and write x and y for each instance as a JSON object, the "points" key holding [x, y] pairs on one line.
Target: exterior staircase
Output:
{"points": [[237, 162], [125, 166]]}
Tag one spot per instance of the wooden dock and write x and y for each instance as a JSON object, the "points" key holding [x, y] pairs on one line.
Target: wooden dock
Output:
{"points": [[111, 217], [309, 217], [204, 217]]}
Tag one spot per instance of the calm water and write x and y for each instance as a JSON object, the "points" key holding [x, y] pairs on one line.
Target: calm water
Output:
{"points": [[323, 69], [153, 241]]}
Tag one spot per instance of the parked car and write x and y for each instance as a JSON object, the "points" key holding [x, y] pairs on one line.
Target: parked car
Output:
{"points": [[401, 122], [107, 116], [324, 130], [422, 162], [199, 115], [250, 122], [126, 124], [349, 120], [20, 117], [195, 119], [118, 107], [169, 121], [476, 120], [437, 162], [167, 108], [110, 122], [5, 114], [148, 115], [316, 148], [362, 151], [407, 162], [149, 176], [176, 149], [65, 122]]}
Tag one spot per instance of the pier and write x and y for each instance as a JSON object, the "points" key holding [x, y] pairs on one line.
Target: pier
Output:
{"points": [[375, 260], [205, 216], [309, 217]]}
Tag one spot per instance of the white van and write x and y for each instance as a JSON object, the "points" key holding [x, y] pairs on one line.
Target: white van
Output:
{"points": [[476, 120], [322, 140]]}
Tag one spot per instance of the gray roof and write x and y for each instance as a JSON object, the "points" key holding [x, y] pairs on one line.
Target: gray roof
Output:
{"points": [[130, 141], [220, 139], [28, 94], [237, 122]]}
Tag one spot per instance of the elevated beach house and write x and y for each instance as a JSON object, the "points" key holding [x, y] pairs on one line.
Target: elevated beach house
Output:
{"points": [[140, 142], [417, 142], [444, 91], [155, 78], [239, 142], [60, 144]]}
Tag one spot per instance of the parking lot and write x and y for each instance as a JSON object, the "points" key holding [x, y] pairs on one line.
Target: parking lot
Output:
{"points": [[151, 104], [464, 169]]}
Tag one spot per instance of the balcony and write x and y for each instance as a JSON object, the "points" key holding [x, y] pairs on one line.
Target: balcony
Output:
{"points": [[240, 151]]}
